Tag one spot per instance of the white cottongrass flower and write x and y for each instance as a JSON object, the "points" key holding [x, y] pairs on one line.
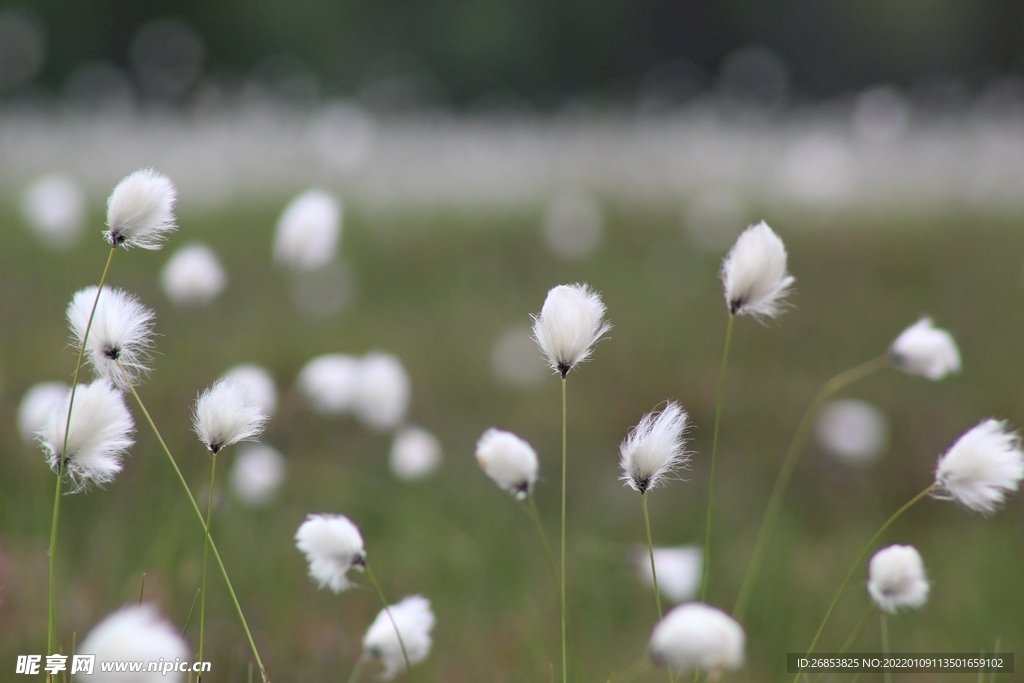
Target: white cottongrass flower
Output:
{"points": [[54, 206], [896, 578], [136, 634], [259, 382], [329, 383], [679, 570], [697, 636], [332, 545], [754, 273], [852, 430], [140, 210], [100, 434], [193, 276], [257, 475], [121, 332], [654, 448], [382, 392], [508, 460], [308, 231], [984, 465], [36, 405], [570, 323], [923, 349], [415, 453], [414, 621], [226, 414]]}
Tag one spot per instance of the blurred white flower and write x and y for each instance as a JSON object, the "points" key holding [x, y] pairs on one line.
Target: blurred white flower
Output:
{"points": [[570, 323], [134, 634], [308, 231], [984, 465], [257, 474], [697, 636], [329, 383], [896, 578], [514, 360], [854, 431], [100, 434], [679, 570], [923, 349], [754, 273], [36, 405], [508, 460], [122, 331], [382, 392], [54, 207], [415, 453], [226, 414], [572, 226], [193, 276], [260, 384], [414, 621], [140, 210], [654, 448], [332, 545]]}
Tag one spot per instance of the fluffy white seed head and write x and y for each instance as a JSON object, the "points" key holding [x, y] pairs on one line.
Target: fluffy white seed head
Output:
{"points": [[193, 276], [854, 431], [510, 461], [415, 453], [570, 323], [134, 633], [100, 434], [54, 207], [226, 414], [679, 570], [257, 475], [332, 545], [260, 384], [697, 636], [923, 349], [329, 383], [982, 467], [754, 273], [654, 448], [36, 405], [122, 331], [382, 392], [140, 210], [896, 578], [308, 231], [414, 621]]}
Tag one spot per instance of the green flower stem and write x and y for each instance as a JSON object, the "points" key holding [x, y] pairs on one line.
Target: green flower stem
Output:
{"points": [[387, 610], [853, 636], [561, 595], [654, 572], [357, 671], [206, 553], [549, 560]]}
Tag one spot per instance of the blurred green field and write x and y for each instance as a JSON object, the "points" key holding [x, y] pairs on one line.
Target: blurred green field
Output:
{"points": [[437, 291]]}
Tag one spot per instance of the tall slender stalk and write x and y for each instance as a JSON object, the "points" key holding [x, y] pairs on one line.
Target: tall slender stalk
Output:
{"points": [[654, 571], [771, 515], [561, 595], [357, 670], [199, 515], [387, 610], [51, 627], [856, 563], [548, 559], [206, 553], [853, 636]]}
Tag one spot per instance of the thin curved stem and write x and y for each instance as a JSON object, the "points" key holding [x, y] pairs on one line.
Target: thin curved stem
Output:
{"points": [[853, 636], [856, 563], [357, 671], [387, 610], [561, 595], [206, 554], [771, 515], [202, 522], [549, 560], [654, 571]]}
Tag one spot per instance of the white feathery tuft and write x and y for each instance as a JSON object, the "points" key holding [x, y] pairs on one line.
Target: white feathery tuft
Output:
{"points": [[226, 414], [135, 633], [754, 273], [679, 570], [122, 330], [413, 621], [896, 578], [259, 382], [54, 206], [193, 276], [697, 636], [329, 383], [140, 210], [257, 475], [35, 407], [570, 323], [308, 231], [654, 448], [982, 467], [415, 453], [923, 349], [381, 392], [100, 434], [332, 545], [509, 461]]}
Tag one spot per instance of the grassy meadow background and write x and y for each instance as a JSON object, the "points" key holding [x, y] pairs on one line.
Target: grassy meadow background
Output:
{"points": [[438, 290]]}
